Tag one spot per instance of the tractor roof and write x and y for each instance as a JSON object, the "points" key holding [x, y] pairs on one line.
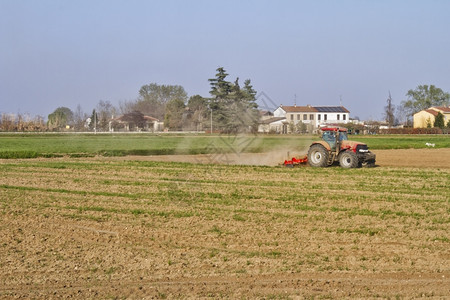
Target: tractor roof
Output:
{"points": [[341, 129]]}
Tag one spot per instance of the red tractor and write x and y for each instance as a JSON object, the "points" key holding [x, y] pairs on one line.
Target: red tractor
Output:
{"points": [[335, 147]]}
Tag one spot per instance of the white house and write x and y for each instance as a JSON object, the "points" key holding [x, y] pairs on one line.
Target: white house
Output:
{"points": [[332, 115], [313, 116]]}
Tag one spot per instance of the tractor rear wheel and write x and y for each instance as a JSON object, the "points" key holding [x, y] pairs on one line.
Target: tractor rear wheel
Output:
{"points": [[348, 159], [318, 156]]}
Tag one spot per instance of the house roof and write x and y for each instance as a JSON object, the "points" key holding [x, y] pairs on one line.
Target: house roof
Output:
{"points": [[291, 109], [148, 118], [126, 118], [309, 108], [265, 113], [339, 109], [432, 111], [443, 109]]}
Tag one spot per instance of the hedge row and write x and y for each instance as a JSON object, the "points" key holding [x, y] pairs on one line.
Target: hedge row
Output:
{"points": [[414, 131]]}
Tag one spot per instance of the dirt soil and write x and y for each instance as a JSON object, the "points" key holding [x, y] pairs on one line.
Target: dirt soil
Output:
{"points": [[410, 158], [53, 249]]}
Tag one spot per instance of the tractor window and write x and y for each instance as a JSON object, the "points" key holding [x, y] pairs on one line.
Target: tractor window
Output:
{"points": [[343, 136], [330, 138]]}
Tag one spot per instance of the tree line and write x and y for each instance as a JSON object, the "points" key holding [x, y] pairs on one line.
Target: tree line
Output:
{"points": [[231, 108]]}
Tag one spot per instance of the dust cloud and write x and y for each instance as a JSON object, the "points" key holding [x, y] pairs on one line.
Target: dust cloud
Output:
{"points": [[242, 150]]}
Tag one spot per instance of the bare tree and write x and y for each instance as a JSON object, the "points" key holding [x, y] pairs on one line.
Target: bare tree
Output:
{"points": [[105, 112], [79, 118], [8, 122], [389, 111]]}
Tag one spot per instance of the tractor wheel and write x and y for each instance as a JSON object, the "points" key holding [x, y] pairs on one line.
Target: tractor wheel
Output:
{"points": [[348, 159], [318, 156]]}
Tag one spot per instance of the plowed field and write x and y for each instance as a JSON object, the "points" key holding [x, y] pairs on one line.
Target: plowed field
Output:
{"points": [[410, 158], [136, 228]]}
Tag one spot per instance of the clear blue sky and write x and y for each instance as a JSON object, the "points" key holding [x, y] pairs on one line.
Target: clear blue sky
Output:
{"points": [[64, 53]]}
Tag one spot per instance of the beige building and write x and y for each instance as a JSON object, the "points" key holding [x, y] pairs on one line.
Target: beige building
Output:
{"points": [[128, 121], [273, 125], [428, 116]]}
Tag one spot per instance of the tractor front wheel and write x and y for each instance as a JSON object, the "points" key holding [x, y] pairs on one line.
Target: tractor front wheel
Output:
{"points": [[348, 159], [318, 156]]}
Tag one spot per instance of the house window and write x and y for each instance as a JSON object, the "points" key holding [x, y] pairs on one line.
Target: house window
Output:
{"points": [[311, 116], [298, 117], [344, 117], [305, 117], [325, 117], [318, 117], [338, 117], [292, 117]]}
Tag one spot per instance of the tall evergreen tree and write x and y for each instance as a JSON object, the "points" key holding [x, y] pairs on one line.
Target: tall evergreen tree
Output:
{"points": [[439, 121], [218, 104], [251, 105], [220, 88], [93, 124], [234, 109]]}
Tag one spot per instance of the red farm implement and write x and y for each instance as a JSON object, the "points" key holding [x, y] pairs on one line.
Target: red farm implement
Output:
{"points": [[295, 161]]}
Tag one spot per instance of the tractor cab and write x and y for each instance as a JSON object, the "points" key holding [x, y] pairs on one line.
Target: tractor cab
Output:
{"points": [[334, 136]]}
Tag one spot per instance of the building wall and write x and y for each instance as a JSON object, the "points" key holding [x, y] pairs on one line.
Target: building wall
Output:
{"points": [[313, 119], [274, 127], [304, 117], [446, 118], [279, 112], [420, 119], [316, 119], [332, 118]]}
